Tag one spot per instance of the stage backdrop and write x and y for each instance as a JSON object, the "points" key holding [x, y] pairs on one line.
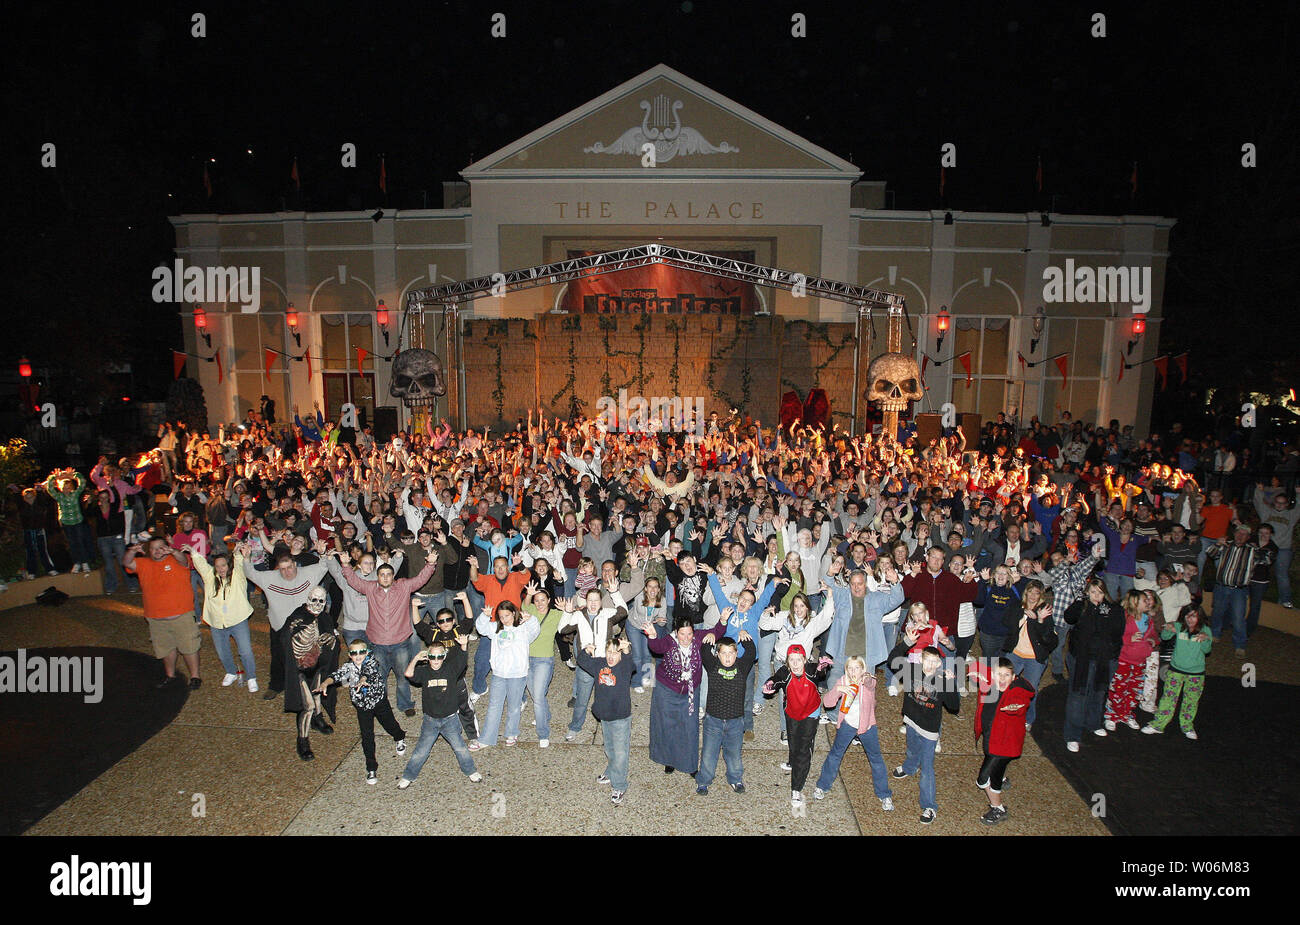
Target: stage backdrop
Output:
{"points": [[566, 363], [660, 289]]}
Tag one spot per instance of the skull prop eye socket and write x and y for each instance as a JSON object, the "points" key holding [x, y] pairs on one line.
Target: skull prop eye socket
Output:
{"points": [[417, 377]]}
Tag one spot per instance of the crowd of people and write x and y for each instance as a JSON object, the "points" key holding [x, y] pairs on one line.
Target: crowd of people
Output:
{"points": [[724, 569]]}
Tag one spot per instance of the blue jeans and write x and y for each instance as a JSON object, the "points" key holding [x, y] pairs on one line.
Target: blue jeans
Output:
{"points": [[540, 671], [482, 664], [507, 692], [725, 736], [1057, 658], [641, 656], [1257, 589], [1032, 671], [1117, 585], [990, 645], [395, 658], [449, 728], [582, 686], [1232, 603], [221, 641], [617, 734], [570, 579], [1282, 570], [81, 542], [1206, 546], [38, 552], [431, 603], [761, 673], [111, 550], [870, 742], [920, 754], [1083, 707]]}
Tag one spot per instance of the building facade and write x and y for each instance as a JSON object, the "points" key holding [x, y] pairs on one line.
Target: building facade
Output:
{"points": [[662, 158]]}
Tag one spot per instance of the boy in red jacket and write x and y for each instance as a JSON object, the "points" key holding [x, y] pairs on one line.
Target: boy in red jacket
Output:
{"points": [[1000, 722]]}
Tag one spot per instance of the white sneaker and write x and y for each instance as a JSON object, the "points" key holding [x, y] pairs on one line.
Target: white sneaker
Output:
{"points": [[785, 766], [824, 721], [819, 794], [1110, 725], [252, 685], [1071, 746], [887, 804], [1150, 730], [757, 710], [401, 747], [475, 778], [893, 690], [403, 783], [229, 679], [1100, 732], [85, 571], [76, 567], [1191, 734], [52, 572], [1132, 723], [796, 798], [938, 747], [639, 690], [543, 743], [902, 730], [473, 699]]}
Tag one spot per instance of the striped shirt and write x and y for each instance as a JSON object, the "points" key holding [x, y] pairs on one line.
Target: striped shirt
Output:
{"points": [[1235, 564]]}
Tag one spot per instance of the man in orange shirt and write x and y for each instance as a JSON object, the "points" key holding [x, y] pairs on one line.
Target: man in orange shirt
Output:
{"points": [[168, 605], [501, 585], [1216, 517]]}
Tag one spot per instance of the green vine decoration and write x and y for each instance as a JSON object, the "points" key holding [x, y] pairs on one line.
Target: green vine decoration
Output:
{"points": [[674, 371], [745, 327], [821, 333]]}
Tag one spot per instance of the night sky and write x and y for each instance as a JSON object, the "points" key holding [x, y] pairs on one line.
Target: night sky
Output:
{"points": [[135, 105]]}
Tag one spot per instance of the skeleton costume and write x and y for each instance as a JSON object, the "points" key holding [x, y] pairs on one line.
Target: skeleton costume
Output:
{"points": [[310, 657]]}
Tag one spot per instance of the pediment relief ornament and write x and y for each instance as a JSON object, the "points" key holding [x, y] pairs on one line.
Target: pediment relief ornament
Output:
{"points": [[661, 126]]}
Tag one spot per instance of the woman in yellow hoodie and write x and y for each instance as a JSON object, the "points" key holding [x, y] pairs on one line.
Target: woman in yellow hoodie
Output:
{"points": [[226, 609]]}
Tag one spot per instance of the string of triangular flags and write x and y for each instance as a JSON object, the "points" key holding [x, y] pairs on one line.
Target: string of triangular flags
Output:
{"points": [[1161, 364], [179, 358]]}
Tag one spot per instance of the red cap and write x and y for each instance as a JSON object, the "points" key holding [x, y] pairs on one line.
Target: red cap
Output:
{"points": [[643, 540], [796, 648]]}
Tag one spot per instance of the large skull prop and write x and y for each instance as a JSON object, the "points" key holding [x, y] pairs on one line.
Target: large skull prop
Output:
{"points": [[417, 378], [894, 381]]}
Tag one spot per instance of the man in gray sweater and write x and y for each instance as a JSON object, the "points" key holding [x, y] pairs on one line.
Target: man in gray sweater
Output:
{"points": [[1282, 517], [286, 589]]}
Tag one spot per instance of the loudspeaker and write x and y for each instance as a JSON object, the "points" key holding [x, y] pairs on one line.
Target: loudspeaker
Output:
{"points": [[970, 426], [385, 424], [928, 427]]}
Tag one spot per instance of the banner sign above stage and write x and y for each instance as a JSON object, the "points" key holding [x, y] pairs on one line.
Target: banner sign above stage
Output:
{"points": [[660, 289]]}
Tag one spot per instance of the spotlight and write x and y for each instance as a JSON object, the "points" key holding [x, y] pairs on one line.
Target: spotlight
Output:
{"points": [[379, 213], [947, 218]]}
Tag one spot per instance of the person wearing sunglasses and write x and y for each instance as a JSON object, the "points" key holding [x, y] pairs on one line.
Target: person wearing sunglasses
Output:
{"points": [[439, 672], [311, 654], [361, 674], [446, 630]]}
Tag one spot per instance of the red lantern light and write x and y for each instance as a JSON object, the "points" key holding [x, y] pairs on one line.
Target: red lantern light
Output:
{"points": [[291, 316], [200, 318], [1139, 326], [381, 314], [24, 368], [943, 321]]}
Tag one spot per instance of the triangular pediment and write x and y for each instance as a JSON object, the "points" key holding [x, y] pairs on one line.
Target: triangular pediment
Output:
{"points": [[694, 130]]}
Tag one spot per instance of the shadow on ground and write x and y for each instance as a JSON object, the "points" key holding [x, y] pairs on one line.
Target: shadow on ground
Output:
{"points": [[56, 744]]}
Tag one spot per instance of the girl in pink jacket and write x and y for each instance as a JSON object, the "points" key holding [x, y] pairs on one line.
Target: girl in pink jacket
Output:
{"points": [[855, 719], [1141, 637]]}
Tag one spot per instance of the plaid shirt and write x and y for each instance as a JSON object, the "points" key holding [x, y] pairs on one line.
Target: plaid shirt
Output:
{"points": [[1067, 582]]}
